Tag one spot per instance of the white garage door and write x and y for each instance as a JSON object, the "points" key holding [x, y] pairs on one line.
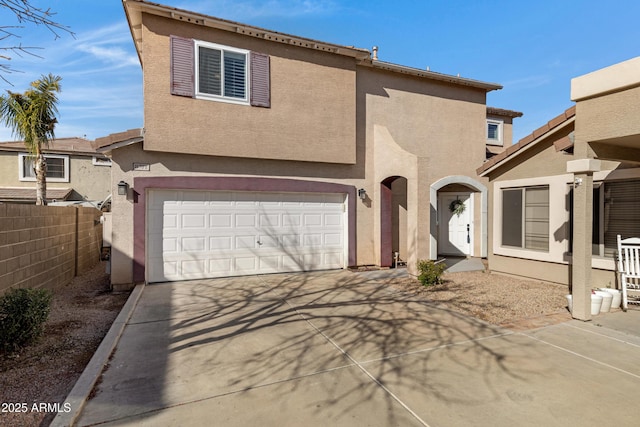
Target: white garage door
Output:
{"points": [[202, 234]]}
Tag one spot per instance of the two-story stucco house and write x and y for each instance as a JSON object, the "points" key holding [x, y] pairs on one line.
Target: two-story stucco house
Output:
{"points": [[267, 152], [75, 172]]}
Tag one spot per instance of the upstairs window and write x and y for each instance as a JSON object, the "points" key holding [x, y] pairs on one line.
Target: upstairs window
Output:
{"points": [[221, 72], [494, 132], [57, 167], [210, 71]]}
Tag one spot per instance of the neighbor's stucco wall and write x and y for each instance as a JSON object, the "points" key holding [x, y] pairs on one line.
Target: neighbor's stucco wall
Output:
{"points": [[610, 116], [543, 165], [313, 103], [88, 181]]}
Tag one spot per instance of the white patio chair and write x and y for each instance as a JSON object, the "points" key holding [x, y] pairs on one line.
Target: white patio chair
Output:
{"points": [[629, 267]]}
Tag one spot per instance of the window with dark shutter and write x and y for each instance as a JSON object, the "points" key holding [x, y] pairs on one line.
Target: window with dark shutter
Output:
{"points": [[211, 71], [182, 67], [260, 80]]}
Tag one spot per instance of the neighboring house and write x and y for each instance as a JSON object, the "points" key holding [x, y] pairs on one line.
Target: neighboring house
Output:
{"points": [[560, 196], [499, 129], [75, 172], [267, 152]]}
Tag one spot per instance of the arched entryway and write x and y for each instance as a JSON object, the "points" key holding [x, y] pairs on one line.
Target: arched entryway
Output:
{"points": [[456, 233], [393, 220]]}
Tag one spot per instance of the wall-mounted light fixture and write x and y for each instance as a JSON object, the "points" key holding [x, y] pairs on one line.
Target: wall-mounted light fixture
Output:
{"points": [[577, 183], [123, 188], [362, 194]]}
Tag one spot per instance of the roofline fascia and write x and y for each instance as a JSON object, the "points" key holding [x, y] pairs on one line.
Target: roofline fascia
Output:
{"points": [[528, 146], [433, 75], [108, 148], [235, 27]]}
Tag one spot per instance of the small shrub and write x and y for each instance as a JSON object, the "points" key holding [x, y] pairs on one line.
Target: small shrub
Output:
{"points": [[22, 316], [430, 272]]}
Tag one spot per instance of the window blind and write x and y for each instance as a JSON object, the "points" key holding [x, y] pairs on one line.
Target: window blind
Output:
{"points": [[621, 212]]}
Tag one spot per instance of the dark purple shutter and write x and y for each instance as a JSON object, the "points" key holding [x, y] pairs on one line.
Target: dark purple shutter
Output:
{"points": [[260, 80], [182, 67]]}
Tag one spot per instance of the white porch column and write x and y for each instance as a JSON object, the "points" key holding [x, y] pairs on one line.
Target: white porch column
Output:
{"points": [[582, 229]]}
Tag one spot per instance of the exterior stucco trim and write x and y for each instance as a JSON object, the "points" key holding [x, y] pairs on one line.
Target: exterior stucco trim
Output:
{"points": [[469, 182], [225, 183]]}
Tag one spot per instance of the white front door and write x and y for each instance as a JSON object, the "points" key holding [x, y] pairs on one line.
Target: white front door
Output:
{"points": [[455, 233]]}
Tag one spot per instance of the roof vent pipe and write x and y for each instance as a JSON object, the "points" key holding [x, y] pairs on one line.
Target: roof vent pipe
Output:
{"points": [[375, 53]]}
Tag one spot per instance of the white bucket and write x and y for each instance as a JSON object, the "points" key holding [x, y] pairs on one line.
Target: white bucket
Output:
{"points": [[596, 303], [617, 297], [607, 298]]}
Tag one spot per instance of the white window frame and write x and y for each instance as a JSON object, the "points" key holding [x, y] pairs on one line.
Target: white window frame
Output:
{"points": [[221, 98], [495, 141], [100, 161], [523, 217], [558, 214], [22, 177]]}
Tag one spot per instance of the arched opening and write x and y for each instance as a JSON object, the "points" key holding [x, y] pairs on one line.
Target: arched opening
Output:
{"points": [[393, 221], [464, 234]]}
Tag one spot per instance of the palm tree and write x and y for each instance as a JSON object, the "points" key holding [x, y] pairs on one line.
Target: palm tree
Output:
{"points": [[32, 117]]}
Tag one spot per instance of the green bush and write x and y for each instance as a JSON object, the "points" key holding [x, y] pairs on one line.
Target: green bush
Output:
{"points": [[22, 316], [430, 272]]}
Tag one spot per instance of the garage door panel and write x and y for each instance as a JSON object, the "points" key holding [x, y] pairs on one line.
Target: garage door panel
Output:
{"points": [[193, 221], [199, 234], [218, 243], [220, 220], [245, 220]]}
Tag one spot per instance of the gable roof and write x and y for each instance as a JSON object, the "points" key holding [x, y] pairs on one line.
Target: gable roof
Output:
{"points": [[135, 8], [73, 145], [553, 125], [120, 139], [493, 111], [26, 194]]}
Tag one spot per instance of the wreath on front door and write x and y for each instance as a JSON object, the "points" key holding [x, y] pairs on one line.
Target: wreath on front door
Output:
{"points": [[457, 207]]}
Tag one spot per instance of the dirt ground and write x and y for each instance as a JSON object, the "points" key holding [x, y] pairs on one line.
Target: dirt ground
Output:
{"points": [[83, 311], [81, 314], [495, 298]]}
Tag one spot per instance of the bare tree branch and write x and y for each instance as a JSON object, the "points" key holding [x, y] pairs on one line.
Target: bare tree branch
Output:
{"points": [[25, 13]]}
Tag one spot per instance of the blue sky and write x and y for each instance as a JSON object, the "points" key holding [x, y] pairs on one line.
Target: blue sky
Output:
{"points": [[532, 48]]}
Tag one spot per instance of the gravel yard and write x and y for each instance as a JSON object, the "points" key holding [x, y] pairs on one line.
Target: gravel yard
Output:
{"points": [[83, 311], [81, 314], [495, 298]]}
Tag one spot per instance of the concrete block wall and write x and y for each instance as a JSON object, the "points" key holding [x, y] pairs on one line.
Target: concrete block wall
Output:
{"points": [[46, 246], [89, 239]]}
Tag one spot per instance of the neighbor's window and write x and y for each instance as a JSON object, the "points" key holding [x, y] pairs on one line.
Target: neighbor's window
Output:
{"points": [[57, 167], [616, 210], [620, 210], [525, 218], [494, 132], [221, 72]]}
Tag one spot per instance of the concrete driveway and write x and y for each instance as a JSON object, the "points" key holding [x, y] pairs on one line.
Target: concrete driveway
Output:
{"points": [[343, 349]]}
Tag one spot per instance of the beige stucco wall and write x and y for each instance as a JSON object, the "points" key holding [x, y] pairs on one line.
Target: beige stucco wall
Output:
{"points": [[167, 164], [358, 125], [608, 117], [312, 103], [423, 131], [88, 181]]}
